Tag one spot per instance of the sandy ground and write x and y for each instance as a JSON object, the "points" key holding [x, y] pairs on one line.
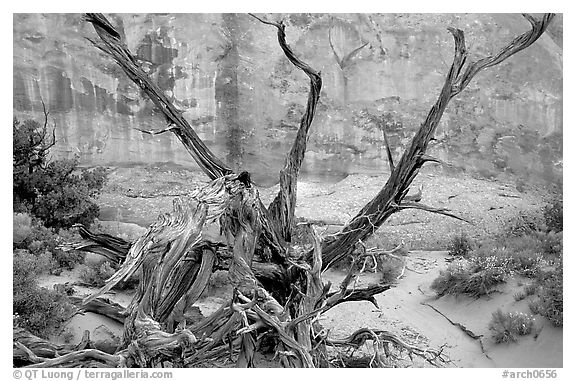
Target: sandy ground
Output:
{"points": [[405, 310], [134, 197], [100, 327], [139, 195]]}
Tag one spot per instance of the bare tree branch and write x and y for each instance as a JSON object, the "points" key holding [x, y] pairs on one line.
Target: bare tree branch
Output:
{"points": [[157, 132], [386, 202], [519, 43], [283, 295], [111, 43], [388, 151], [282, 208], [426, 208]]}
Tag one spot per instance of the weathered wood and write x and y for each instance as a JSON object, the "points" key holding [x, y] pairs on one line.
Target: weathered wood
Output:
{"points": [[284, 204], [113, 248], [29, 349], [75, 358], [101, 306], [41, 348], [111, 43], [360, 336], [314, 294], [276, 290], [388, 200], [265, 272]]}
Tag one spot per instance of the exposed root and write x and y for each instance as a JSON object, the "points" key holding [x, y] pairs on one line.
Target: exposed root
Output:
{"points": [[381, 339], [463, 328]]}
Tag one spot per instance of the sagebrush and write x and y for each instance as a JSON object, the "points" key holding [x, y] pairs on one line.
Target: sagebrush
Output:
{"points": [[57, 192], [460, 245], [506, 327], [37, 309]]}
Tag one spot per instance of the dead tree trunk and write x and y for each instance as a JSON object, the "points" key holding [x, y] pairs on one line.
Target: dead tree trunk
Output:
{"points": [[278, 287]]}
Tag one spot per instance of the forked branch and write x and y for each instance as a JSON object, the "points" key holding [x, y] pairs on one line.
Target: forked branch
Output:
{"points": [[282, 208], [386, 202]]}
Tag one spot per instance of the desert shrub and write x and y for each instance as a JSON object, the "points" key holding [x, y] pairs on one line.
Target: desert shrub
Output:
{"points": [[26, 267], [487, 272], [57, 192], [390, 269], [534, 306], [507, 326], [460, 245], [551, 297], [39, 310], [70, 258], [31, 235], [95, 274], [526, 263], [67, 336], [553, 215], [21, 227], [549, 243], [301, 234], [524, 223], [528, 253], [475, 276], [452, 280]]}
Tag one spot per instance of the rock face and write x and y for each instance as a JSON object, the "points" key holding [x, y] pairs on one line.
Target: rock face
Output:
{"points": [[230, 78]]}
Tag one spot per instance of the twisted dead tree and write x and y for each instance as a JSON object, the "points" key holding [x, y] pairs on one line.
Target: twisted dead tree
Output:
{"points": [[279, 294]]}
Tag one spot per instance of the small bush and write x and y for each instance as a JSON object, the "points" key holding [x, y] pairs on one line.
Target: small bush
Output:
{"points": [[554, 215], [550, 243], [506, 326], [95, 274], [390, 270], [534, 306], [460, 245], [524, 223], [70, 258], [476, 276], [41, 311], [26, 267], [551, 297], [57, 192], [21, 227], [219, 284], [38, 310], [453, 279], [38, 240], [527, 263]]}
